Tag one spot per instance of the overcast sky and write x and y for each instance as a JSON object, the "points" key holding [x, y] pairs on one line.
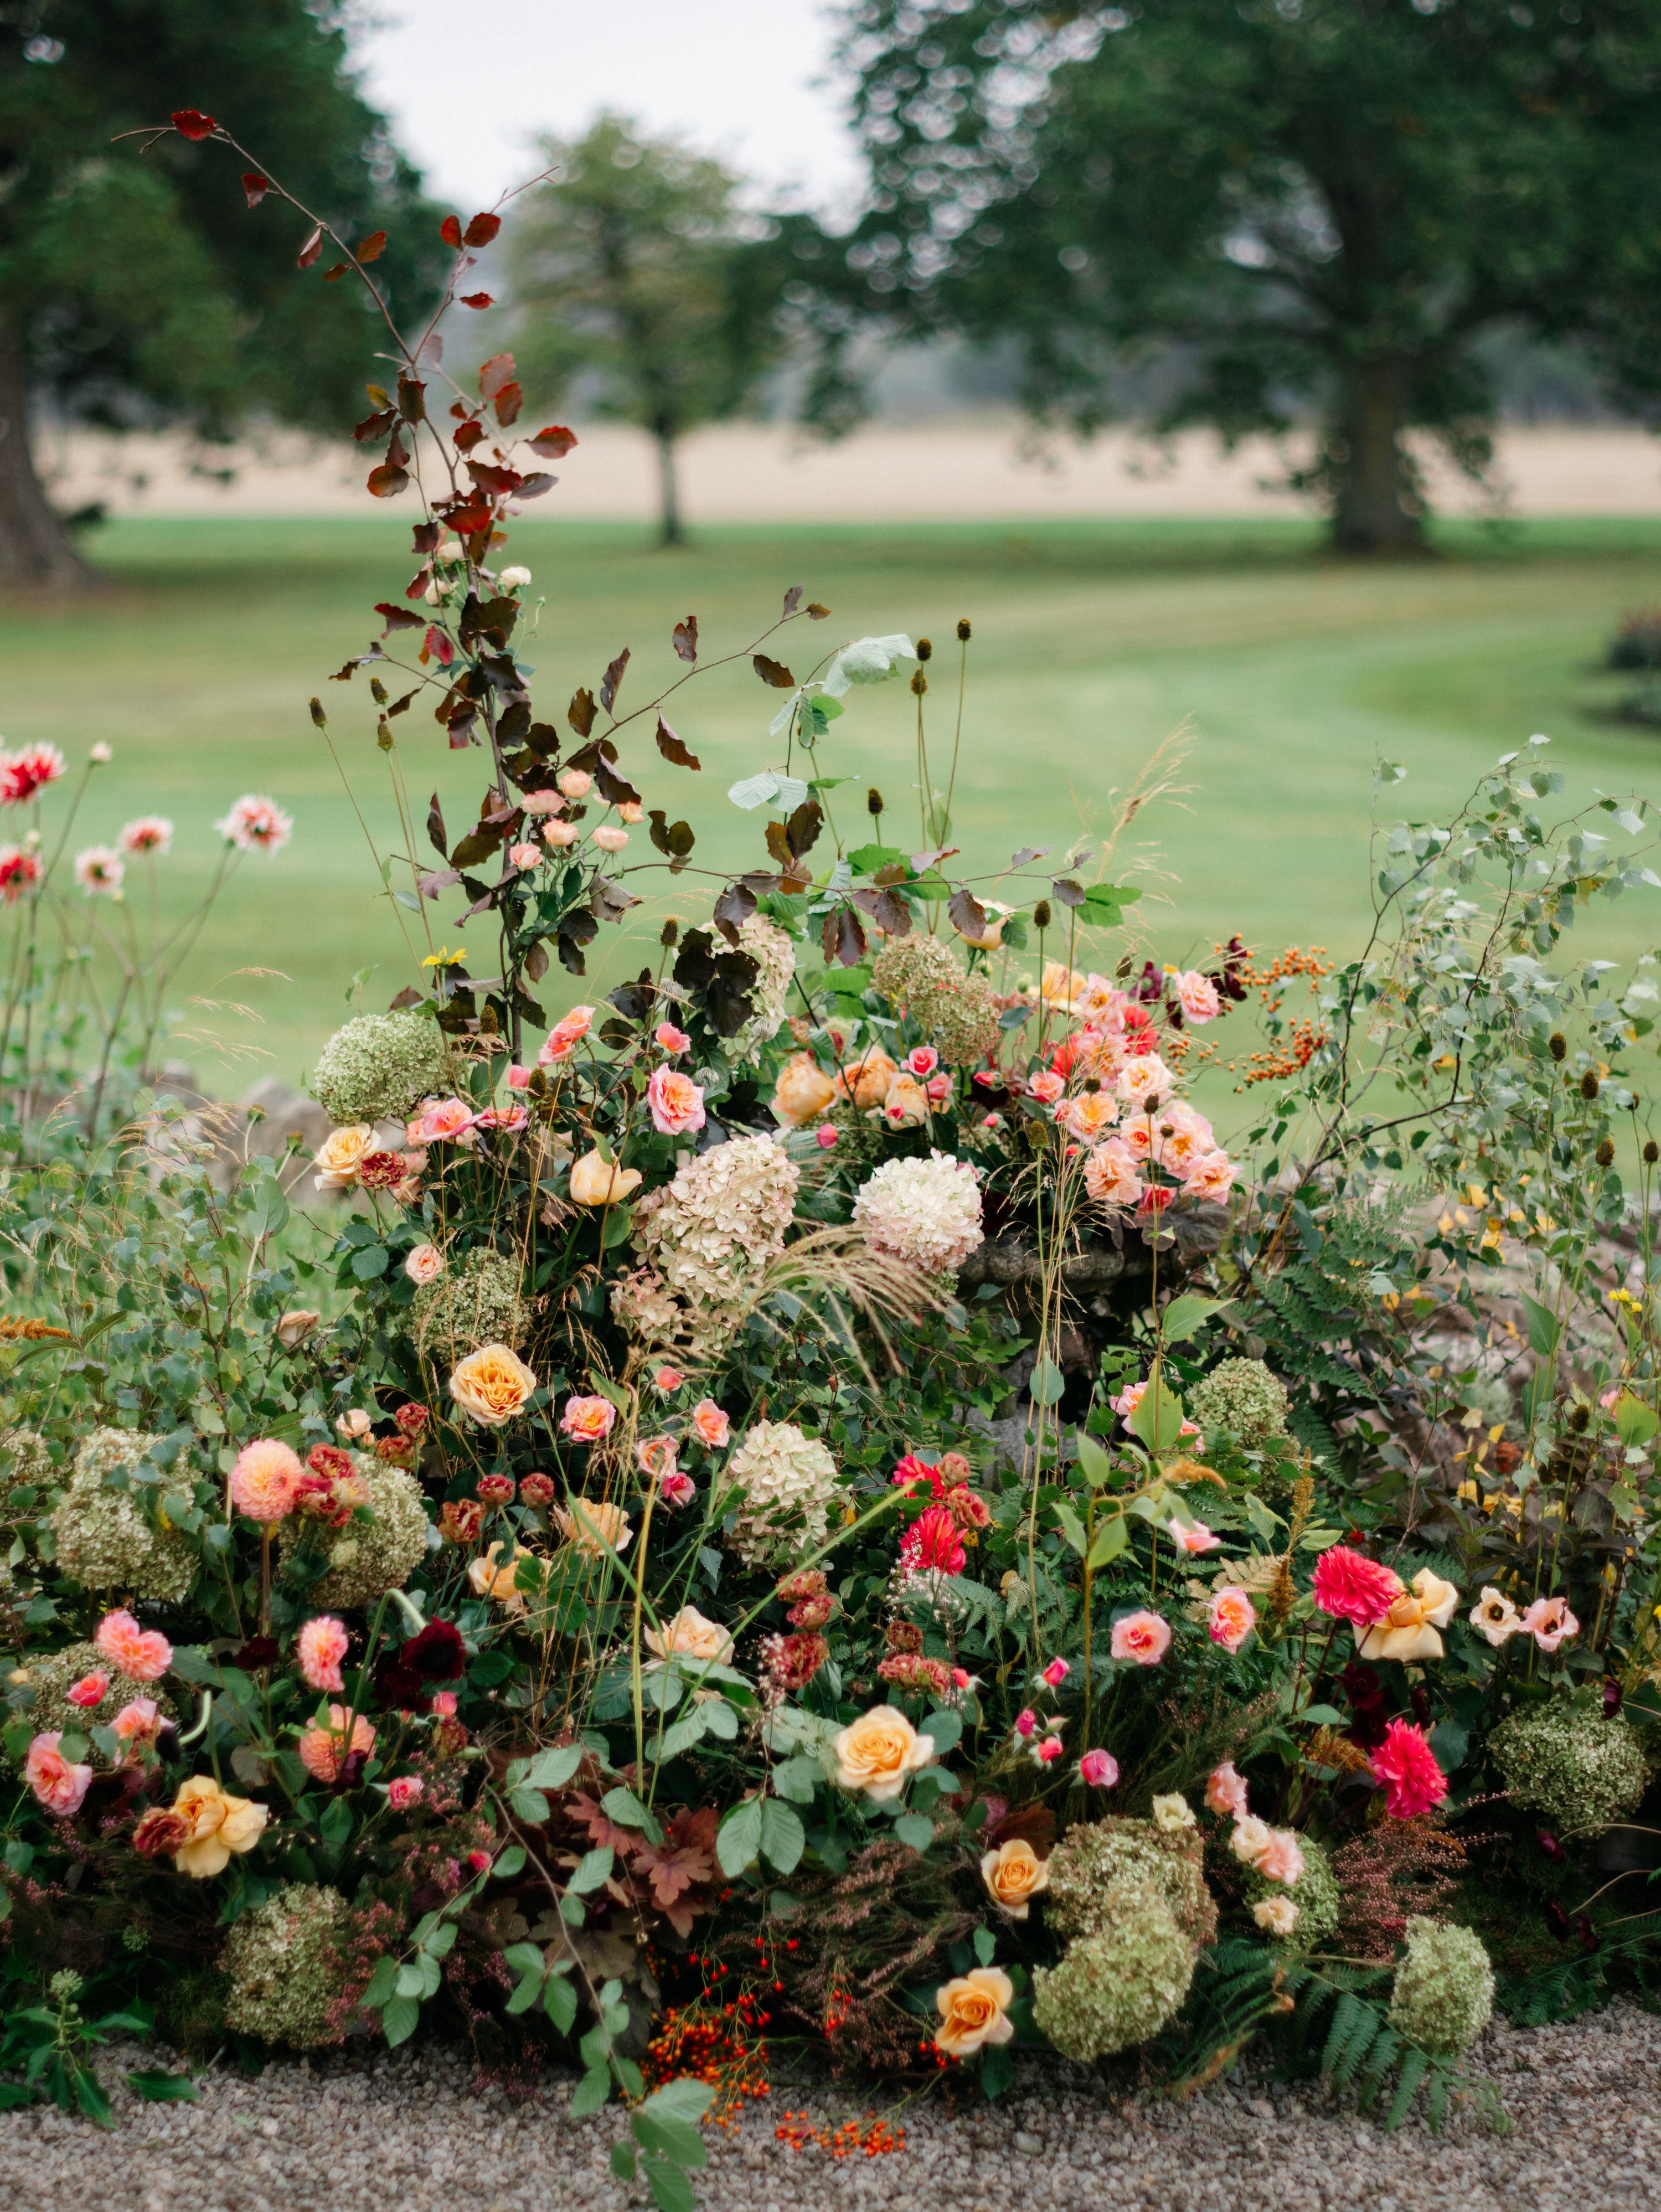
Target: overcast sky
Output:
{"points": [[469, 88]]}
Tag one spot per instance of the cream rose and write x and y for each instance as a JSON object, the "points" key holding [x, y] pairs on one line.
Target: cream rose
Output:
{"points": [[690, 1636], [492, 1578], [1014, 1874], [595, 1181], [802, 1092], [295, 1326], [219, 1825], [1173, 1813], [1409, 1630], [492, 1384], [342, 1153], [1278, 1915], [424, 1265], [594, 1526], [878, 1752], [974, 2011]]}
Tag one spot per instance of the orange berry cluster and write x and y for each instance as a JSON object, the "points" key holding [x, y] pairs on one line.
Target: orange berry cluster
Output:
{"points": [[719, 2045], [1288, 1059], [1285, 965], [853, 2139]]}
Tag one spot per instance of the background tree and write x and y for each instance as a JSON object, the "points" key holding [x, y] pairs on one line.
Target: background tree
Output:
{"points": [[1308, 202], [138, 288], [636, 267]]}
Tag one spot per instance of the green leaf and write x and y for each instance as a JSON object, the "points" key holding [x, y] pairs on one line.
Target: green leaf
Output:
{"points": [[997, 2069], [1158, 1420], [797, 1778], [397, 2021], [1094, 1462], [946, 1731], [622, 2161], [1262, 1519], [382, 1983], [162, 2088], [669, 2136], [1071, 1528], [914, 1831], [559, 2002], [686, 1732], [550, 1770], [528, 1989], [1112, 1538], [370, 1262], [1543, 1328], [1635, 1422], [670, 2190], [1184, 1314], [1047, 1385], [685, 2097], [986, 1945], [529, 1805], [783, 1837], [621, 1806], [737, 1844], [89, 2096], [590, 2092], [593, 1870]]}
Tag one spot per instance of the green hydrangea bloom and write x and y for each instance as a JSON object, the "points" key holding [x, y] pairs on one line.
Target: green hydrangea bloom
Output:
{"points": [[366, 1558], [477, 1302], [103, 1538], [957, 1011], [281, 1961], [1115, 1989], [1316, 1894], [27, 1455], [51, 1679], [380, 1067], [1444, 1989], [1567, 1761], [1100, 1869], [1241, 1396], [775, 955]]}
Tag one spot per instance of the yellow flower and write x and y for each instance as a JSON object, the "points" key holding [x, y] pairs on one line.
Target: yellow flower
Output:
{"points": [[219, 1825], [492, 1384], [1408, 1629], [877, 1752], [1172, 1812], [444, 958], [340, 1155], [1014, 1874], [595, 1181], [974, 2011], [490, 1578]]}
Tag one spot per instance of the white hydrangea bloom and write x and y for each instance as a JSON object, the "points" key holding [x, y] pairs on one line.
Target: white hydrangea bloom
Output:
{"points": [[775, 956], [788, 1484], [926, 1211], [717, 1227]]}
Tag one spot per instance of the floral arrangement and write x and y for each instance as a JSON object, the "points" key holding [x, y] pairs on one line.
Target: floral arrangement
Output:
{"points": [[814, 1483]]}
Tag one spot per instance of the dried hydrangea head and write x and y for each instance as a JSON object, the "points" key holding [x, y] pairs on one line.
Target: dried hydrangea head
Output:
{"points": [[1443, 1994], [1100, 1869], [285, 1962], [926, 1211], [1114, 1990], [1581, 1770], [774, 955], [104, 1538], [705, 1243], [787, 1483], [1241, 1396], [958, 1012], [380, 1067], [478, 1302]]}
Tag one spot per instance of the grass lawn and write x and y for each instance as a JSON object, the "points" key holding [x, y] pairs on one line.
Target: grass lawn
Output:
{"points": [[1092, 643]]}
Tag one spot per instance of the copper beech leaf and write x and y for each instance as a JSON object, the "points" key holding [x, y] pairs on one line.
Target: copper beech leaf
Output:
{"points": [[673, 748], [684, 638], [773, 672]]}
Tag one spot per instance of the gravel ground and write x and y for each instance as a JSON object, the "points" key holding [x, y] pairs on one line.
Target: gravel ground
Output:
{"points": [[405, 2134]]}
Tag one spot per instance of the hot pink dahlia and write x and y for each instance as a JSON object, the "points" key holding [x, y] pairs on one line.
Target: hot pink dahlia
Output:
{"points": [[1406, 1765], [1355, 1588]]}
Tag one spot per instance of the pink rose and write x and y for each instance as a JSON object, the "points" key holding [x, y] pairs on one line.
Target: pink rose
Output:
{"points": [[407, 1790], [566, 1035], [1142, 1638], [425, 1264], [1197, 995], [825, 1136], [588, 1420], [575, 782], [525, 856], [1225, 1792], [508, 1118], [144, 1655], [1046, 1086], [89, 1690], [1026, 1724], [139, 1723], [57, 1785], [668, 1380], [1233, 1616], [922, 1061], [1098, 1769], [444, 1704], [1198, 1538], [710, 1425], [1050, 1749], [937, 1089], [1280, 1859], [675, 1101], [445, 1122], [1056, 1672], [669, 1039], [519, 1078], [1214, 1177], [679, 1490]]}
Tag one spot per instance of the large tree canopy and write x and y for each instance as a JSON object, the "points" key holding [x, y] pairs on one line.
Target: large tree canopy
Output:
{"points": [[636, 267], [139, 286], [1323, 203]]}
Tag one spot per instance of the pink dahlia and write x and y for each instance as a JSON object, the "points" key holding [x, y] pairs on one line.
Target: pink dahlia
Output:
{"points": [[321, 1646], [1354, 1588], [931, 1544], [144, 1654], [266, 1479], [1406, 1765]]}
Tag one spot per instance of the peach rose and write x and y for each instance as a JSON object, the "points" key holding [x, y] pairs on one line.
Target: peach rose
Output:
{"points": [[974, 2011], [594, 1526], [1090, 1115], [879, 1751], [1250, 1839], [1278, 1915], [492, 1384], [1225, 1791], [217, 1826], [710, 1425], [690, 1636], [1111, 1175], [324, 1752], [341, 1155], [1233, 1616], [802, 1091], [1014, 1874], [1140, 1637], [1212, 1177], [58, 1785], [588, 1420], [443, 1120], [674, 1102], [595, 1181], [1061, 987], [295, 1326], [866, 1080], [424, 1265], [1280, 1859], [906, 1104], [609, 838], [498, 1579]]}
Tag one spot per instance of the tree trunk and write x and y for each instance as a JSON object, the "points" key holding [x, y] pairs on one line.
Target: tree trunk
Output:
{"points": [[1376, 507], [671, 532], [34, 546]]}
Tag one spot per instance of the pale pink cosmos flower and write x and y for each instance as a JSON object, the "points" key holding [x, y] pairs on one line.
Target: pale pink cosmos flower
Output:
{"points": [[1280, 1859], [56, 1785], [150, 833], [1056, 1672], [1233, 1616], [89, 1690], [575, 782], [1098, 1769], [1197, 995], [1549, 1622], [710, 1425], [256, 824], [1046, 1086], [1225, 1791], [99, 871], [589, 1420], [922, 1060], [143, 1655], [406, 1791], [1142, 1638], [320, 1647], [669, 1039], [1197, 1538], [525, 856], [674, 1102], [425, 1264]]}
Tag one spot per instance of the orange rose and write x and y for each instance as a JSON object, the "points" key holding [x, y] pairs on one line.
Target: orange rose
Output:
{"points": [[974, 2011], [594, 1526], [492, 1384], [215, 1826], [1014, 1874], [802, 1092], [905, 1106], [866, 1080], [879, 1751]]}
